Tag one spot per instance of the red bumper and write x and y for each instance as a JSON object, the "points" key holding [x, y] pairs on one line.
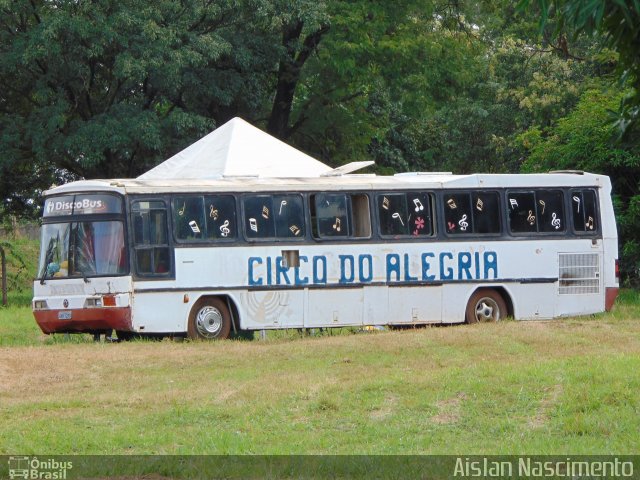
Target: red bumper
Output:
{"points": [[85, 320], [610, 295]]}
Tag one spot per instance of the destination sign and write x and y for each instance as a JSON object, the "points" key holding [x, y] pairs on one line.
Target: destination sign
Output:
{"points": [[81, 205]]}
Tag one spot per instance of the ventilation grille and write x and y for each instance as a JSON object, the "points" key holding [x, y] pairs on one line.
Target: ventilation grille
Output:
{"points": [[579, 273]]}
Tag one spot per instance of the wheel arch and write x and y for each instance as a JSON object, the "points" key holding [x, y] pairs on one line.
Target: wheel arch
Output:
{"points": [[500, 289], [229, 301]]}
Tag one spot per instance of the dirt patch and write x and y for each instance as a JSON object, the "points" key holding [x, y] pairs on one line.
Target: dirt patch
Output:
{"points": [[449, 410], [386, 410]]}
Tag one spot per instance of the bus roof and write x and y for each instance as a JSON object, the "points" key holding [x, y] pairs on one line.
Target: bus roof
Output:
{"points": [[416, 180]]}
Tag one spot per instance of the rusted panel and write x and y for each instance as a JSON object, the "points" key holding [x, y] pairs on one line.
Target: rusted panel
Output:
{"points": [[85, 320]]}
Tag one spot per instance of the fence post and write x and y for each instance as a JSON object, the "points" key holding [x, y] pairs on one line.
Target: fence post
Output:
{"points": [[4, 276]]}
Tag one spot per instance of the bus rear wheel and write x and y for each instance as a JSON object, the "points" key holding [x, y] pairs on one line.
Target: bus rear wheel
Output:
{"points": [[209, 319], [486, 305]]}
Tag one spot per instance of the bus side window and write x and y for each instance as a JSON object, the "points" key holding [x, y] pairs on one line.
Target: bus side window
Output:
{"points": [[522, 212], [457, 213], [332, 215], [220, 212], [550, 207], [392, 213], [150, 238], [486, 212], [584, 211], [289, 216], [403, 214], [188, 218], [258, 216]]}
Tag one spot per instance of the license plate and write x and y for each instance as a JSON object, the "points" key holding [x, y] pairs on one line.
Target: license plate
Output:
{"points": [[64, 315]]}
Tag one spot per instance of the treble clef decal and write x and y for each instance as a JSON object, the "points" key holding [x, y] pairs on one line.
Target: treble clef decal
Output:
{"points": [[224, 228], [555, 222], [463, 223]]}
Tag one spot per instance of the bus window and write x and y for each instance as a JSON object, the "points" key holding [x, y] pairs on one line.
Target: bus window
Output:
{"points": [[550, 209], [188, 218], [289, 216], [532, 212], [332, 216], [150, 238], [274, 216], [457, 213], [522, 212], [486, 212], [220, 211], [403, 214], [584, 211], [258, 216]]}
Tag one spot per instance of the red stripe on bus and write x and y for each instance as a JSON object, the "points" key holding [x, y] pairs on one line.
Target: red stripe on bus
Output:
{"points": [[85, 320], [610, 296]]}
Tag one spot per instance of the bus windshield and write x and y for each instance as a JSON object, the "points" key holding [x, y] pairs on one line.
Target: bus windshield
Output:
{"points": [[82, 249]]}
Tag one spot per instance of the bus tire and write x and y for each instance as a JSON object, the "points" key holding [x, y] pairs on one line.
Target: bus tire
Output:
{"points": [[209, 320], [486, 305]]}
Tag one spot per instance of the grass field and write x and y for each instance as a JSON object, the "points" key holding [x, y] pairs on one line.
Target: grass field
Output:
{"points": [[560, 387]]}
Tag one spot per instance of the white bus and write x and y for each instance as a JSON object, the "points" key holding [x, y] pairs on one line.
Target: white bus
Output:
{"points": [[209, 258]]}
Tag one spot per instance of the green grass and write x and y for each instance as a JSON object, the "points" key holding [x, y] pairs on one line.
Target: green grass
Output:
{"points": [[560, 387]]}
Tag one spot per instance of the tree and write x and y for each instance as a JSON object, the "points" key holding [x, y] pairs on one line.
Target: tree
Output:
{"points": [[618, 22], [582, 140]]}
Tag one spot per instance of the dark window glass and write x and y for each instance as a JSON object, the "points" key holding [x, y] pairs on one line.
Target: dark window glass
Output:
{"points": [[220, 213], [486, 212], [150, 238], [522, 212], [258, 216], [457, 213], [332, 215], [584, 211], [403, 214], [392, 212], [188, 218], [289, 216], [550, 208]]}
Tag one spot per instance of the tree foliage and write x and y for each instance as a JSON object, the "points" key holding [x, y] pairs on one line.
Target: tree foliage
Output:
{"points": [[108, 89]]}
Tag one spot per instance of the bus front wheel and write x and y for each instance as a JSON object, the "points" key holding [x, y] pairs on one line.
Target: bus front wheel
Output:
{"points": [[486, 305], [209, 319]]}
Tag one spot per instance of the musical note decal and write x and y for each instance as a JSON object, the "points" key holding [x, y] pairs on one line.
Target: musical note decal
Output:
{"points": [[463, 223], [336, 226], [397, 217], [181, 211], [385, 203], [253, 224], [224, 228], [543, 205], [531, 218], [418, 204], [295, 230], [589, 225], [555, 222], [514, 203], [213, 212], [577, 200], [452, 204], [479, 205], [194, 226], [283, 203], [265, 213]]}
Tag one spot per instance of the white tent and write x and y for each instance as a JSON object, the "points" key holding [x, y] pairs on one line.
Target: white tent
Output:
{"points": [[237, 148]]}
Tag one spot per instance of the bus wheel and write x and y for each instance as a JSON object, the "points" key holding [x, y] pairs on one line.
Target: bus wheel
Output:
{"points": [[209, 319], [486, 305]]}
